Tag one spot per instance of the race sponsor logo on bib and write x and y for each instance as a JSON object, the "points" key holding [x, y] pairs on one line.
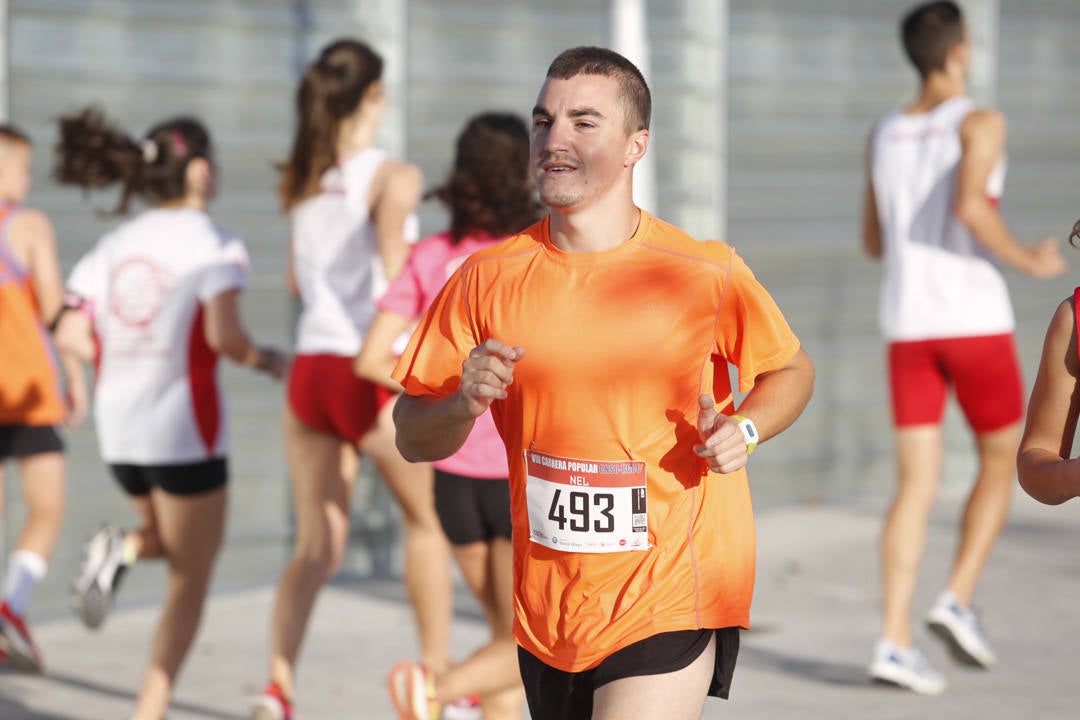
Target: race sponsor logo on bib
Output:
{"points": [[589, 506]]}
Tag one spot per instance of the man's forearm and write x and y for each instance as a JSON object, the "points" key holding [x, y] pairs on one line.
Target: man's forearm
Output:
{"points": [[779, 397], [429, 428], [990, 230]]}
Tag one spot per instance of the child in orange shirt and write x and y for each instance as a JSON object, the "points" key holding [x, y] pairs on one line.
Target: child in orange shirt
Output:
{"points": [[32, 404]]}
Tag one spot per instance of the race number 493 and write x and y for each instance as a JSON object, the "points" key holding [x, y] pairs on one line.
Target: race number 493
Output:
{"points": [[586, 505]]}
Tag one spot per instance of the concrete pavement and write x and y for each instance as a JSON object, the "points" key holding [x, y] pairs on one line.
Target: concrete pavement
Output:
{"points": [[815, 618]]}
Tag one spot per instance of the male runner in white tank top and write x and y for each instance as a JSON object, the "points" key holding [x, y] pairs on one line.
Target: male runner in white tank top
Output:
{"points": [[936, 170]]}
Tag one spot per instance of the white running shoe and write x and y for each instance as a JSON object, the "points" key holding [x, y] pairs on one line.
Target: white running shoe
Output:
{"points": [[906, 667], [959, 628], [466, 708], [99, 576]]}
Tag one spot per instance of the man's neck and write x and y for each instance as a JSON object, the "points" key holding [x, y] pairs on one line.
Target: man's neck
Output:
{"points": [[936, 89], [594, 229]]}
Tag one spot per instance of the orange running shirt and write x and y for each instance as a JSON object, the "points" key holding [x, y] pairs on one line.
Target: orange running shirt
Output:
{"points": [[600, 426], [29, 377]]}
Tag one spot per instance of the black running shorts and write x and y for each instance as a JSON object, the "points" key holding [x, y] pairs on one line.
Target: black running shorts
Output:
{"points": [[19, 441], [472, 509], [557, 695], [181, 479]]}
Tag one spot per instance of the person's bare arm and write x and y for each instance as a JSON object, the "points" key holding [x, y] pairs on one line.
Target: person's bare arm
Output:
{"points": [[31, 234], [982, 138], [225, 334], [776, 400], [434, 428], [376, 360], [290, 272], [397, 199], [1046, 473], [871, 224], [76, 394], [73, 334], [73, 337]]}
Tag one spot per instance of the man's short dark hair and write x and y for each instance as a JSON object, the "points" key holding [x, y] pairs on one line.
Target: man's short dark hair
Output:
{"points": [[929, 32], [588, 60], [13, 135]]}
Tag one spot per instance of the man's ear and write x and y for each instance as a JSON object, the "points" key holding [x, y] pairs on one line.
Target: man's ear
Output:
{"points": [[635, 149], [960, 55]]}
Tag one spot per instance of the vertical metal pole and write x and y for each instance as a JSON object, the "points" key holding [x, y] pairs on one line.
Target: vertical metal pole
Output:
{"points": [[301, 36], [5, 63], [723, 38], [984, 21], [385, 26], [401, 13], [5, 75], [629, 37]]}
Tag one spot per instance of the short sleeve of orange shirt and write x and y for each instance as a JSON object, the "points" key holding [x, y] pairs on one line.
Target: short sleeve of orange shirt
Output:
{"points": [[618, 346], [431, 363], [752, 334]]}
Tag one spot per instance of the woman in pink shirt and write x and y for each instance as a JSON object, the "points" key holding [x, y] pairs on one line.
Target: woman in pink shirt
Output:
{"points": [[489, 196]]}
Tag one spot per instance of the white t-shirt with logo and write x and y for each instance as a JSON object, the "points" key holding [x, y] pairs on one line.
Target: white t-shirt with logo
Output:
{"points": [[940, 282], [156, 397], [336, 258]]}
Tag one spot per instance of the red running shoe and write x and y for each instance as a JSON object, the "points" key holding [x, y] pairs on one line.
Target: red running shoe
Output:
{"points": [[271, 704], [16, 643]]}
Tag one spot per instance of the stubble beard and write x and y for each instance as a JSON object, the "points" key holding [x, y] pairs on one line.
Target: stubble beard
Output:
{"points": [[559, 198]]}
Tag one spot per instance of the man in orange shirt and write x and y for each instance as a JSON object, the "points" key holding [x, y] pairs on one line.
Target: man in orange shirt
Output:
{"points": [[600, 339]]}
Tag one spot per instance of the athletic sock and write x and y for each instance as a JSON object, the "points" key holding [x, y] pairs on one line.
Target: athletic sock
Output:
{"points": [[131, 552], [25, 570]]}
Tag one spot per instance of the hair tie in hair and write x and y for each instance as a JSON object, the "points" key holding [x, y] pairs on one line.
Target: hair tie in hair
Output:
{"points": [[149, 151], [179, 144]]}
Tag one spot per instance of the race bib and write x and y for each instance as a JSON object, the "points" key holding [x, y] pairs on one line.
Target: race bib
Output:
{"points": [[586, 505]]}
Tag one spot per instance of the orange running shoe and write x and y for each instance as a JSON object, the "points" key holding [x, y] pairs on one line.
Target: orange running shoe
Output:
{"points": [[412, 689]]}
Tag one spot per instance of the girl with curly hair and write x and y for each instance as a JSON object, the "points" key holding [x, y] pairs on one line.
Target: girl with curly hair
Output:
{"points": [[489, 196]]}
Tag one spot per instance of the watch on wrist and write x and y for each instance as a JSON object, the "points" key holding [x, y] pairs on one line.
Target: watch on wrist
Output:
{"points": [[749, 432]]}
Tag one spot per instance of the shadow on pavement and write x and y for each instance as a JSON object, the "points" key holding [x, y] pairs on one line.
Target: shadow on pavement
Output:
{"points": [[823, 671], [11, 709]]}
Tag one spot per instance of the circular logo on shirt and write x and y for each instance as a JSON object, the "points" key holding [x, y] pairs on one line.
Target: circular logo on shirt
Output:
{"points": [[137, 291]]}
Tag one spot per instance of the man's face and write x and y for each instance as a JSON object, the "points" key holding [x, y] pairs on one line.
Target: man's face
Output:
{"points": [[580, 145], [14, 171]]}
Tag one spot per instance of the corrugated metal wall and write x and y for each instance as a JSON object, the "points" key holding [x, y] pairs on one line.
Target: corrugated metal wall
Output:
{"points": [[802, 83]]}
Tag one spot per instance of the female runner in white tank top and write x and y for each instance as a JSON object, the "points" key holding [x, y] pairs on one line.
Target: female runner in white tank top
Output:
{"points": [[157, 302], [351, 211]]}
